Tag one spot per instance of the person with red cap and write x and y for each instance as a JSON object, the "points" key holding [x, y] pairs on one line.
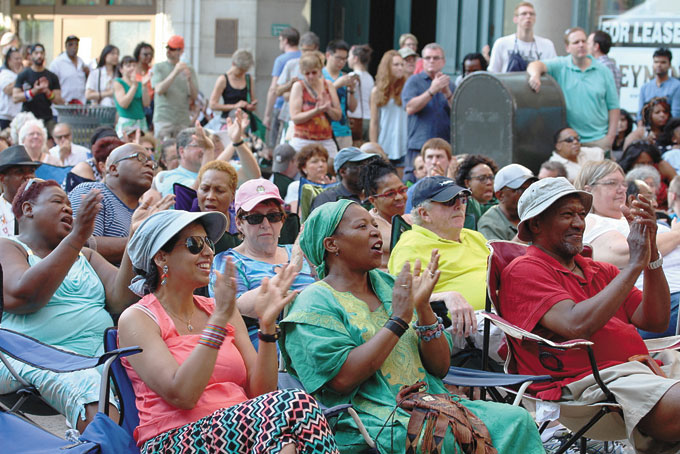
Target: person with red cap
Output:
{"points": [[175, 87]]}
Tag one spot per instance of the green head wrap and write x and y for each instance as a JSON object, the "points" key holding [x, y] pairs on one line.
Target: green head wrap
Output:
{"points": [[319, 225]]}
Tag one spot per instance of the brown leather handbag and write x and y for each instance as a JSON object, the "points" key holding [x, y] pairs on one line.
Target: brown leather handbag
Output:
{"points": [[437, 412]]}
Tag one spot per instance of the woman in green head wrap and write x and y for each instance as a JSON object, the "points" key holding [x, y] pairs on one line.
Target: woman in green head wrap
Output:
{"points": [[348, 338]]}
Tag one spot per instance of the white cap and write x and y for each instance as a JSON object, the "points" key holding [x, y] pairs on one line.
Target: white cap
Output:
{"points": [[513, 176]]}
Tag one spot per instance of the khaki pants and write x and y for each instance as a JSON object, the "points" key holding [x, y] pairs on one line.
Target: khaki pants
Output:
{"points": [[601, 143]]}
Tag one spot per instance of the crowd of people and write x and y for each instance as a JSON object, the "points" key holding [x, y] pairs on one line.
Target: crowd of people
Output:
{"points": [[217, 241]]}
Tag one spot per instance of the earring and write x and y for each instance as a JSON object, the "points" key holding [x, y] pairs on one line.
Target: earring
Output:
{"points": [[337, 253], [164, 276]]}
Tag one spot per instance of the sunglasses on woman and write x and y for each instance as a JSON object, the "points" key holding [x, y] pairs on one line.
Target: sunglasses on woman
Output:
{"points": [[195, 244], [257, 218]]}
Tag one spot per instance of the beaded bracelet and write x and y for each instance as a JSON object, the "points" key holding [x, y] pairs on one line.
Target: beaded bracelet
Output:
{"points": [[212, 336], [429, 332], [435, 334], [422, 328]]}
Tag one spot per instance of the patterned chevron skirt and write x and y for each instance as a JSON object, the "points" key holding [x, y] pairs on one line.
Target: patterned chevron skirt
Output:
{"points": [[261, 425]]}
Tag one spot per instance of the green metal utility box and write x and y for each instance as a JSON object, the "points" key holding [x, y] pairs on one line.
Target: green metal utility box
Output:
{"points": [[499, 116]]}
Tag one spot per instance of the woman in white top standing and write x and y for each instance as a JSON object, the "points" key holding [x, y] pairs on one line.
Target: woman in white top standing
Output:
{"points": [[9, 108], [99, 85], [359, 58], [388, 125]]}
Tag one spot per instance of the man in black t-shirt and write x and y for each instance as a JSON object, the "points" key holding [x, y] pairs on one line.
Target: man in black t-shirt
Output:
{"points": [[38, 88]]}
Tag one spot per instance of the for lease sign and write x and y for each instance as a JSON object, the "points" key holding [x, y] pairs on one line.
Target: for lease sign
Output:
{"points": [[634, 40]]}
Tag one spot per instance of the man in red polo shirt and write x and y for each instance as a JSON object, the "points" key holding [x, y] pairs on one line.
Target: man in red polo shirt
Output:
{"points": [[573, 297]]}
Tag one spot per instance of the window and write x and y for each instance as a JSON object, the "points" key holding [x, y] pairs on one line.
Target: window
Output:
{"points": [[126, 34], [38, 31], [35, 2]]}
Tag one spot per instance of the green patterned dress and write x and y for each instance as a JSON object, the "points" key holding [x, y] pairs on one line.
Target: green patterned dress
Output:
{"points": [[323, 326]]}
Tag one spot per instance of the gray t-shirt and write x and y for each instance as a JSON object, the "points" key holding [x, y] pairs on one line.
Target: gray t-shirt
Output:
{"points": [[173, 106]]}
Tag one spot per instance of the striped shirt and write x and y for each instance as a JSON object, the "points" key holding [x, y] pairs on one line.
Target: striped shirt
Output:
{"points": [[113, 220]]}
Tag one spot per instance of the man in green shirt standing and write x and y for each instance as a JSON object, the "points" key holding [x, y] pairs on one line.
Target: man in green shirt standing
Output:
{"points": [[500, 221], [175, 87]]}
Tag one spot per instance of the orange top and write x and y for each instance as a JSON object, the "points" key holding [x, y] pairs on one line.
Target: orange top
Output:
{"points": [[317, 127], [225, 388], [149, 88]]}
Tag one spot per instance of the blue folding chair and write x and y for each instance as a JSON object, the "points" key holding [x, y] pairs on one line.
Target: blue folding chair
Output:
{"points": [[129, 417], [18, 434]]}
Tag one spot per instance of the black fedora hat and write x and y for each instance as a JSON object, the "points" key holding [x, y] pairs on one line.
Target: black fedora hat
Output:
{"points": [[16, 155]]}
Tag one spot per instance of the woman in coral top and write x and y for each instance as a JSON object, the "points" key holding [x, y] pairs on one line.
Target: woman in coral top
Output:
{"points": [[199, 383], [313, 104]]}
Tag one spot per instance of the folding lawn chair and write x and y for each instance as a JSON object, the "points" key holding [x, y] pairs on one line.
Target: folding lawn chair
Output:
{"points": [[604, 421], [18, 433], [21, 435]]}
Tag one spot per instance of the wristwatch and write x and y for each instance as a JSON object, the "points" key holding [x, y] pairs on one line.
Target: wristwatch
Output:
{"points": [[656, 263]]}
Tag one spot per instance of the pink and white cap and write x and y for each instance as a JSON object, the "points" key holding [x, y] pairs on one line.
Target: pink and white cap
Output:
{"points": [[252, 192]]}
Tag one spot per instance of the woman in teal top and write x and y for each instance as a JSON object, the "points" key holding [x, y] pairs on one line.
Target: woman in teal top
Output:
{"points": [[131, 98], [58, 291], [347, 337]]}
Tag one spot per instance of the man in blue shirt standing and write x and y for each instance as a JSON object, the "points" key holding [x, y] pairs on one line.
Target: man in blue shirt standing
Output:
{"points": [[337, 52], [663, 85], [289, 38], [427, 97], [589, 91]]}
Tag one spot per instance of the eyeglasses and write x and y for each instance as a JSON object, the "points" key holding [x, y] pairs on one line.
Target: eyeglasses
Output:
{"points": [[141, 157], [63, 136], [172, 48], [393, 193], [258, 218], [31, 181], [432, 57], [463, 198], [571, 139], [612, 183], [196, 244], [483, 178]]}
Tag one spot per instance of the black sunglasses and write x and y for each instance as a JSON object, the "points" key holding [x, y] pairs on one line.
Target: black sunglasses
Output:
{"points": [[257, 218], [195, 244], [571, 139], [462, 197]]}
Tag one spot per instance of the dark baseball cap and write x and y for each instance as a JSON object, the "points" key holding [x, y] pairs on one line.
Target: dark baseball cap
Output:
{"points": [[71, 38], [437, 188]]}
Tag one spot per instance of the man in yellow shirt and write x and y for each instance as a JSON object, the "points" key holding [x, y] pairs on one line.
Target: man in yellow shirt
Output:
{"points": [[438, 215]]}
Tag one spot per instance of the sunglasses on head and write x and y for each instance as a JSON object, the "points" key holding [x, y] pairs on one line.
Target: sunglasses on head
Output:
{"points": [[195, 244], [257, 218]]}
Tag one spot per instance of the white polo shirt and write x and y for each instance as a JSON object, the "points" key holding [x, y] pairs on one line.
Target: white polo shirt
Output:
{"points": [[71, 77], [78, 154]]}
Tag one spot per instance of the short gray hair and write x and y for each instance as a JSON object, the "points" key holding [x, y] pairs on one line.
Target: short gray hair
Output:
{"points": [[310, 39], [184, 137], [594, 171], [23, 132], [417, 220], [242, 59], [642, 173], [434, 46]]}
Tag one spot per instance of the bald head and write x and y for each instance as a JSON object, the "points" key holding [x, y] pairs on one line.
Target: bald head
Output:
{"points": [[122, 151]]}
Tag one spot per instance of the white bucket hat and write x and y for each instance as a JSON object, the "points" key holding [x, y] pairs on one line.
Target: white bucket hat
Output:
{"points": [[540, 196]]}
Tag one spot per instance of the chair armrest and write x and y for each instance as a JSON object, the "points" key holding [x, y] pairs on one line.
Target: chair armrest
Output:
{"points": [[663, 343], [521, 334]]}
